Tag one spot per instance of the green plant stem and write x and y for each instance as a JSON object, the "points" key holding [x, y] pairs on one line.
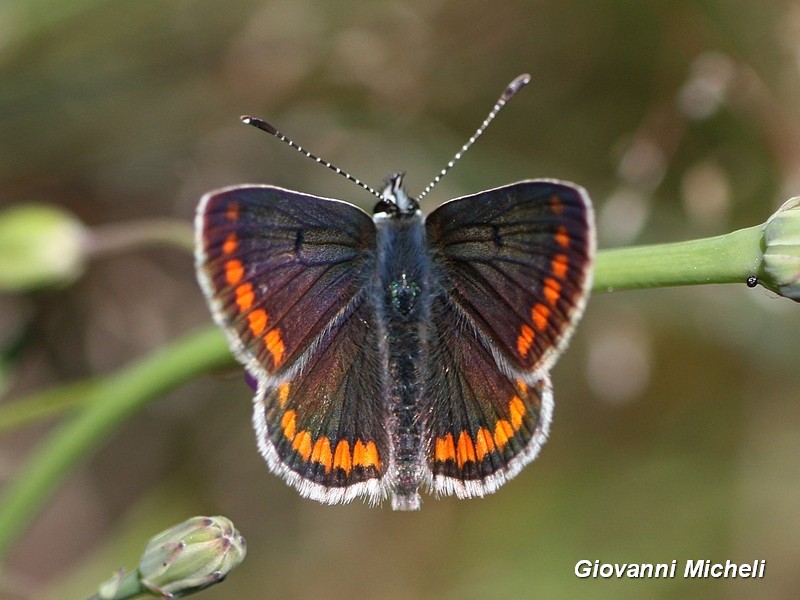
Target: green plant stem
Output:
{"points": [[42, 405], [729, 258], [106, 402], [127, 586], [111, 400], [134, 235]]}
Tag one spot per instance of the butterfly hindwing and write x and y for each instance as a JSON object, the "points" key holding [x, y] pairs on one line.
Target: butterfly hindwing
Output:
{"points": [[483, 426], [285, 274], [511, 270], [324, 430]]}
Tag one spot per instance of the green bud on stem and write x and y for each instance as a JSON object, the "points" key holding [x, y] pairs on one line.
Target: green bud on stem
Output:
{"points": [[191, 556], [781, 266], [40, 245]]}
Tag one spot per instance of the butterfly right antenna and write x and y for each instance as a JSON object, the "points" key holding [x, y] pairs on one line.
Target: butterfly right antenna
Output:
{"points": [[507, 94]]}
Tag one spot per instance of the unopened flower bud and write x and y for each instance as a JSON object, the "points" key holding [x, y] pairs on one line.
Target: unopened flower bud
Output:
{"points": [[40, 245], [191, 556], [782, 250]]}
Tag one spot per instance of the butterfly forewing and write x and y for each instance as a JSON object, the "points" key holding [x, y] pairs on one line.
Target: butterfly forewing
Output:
{"points": [[286, 275], [279, 266], [516, 260]]}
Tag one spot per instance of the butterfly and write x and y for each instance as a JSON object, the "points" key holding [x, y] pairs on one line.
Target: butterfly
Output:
{"points": [[396, 353]]}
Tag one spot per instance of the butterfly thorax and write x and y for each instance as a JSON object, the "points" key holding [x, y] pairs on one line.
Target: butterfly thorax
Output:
{"points": [[403, 301]]}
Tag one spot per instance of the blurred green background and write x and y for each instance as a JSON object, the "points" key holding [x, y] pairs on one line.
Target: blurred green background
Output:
{"points": [[676, 425]]}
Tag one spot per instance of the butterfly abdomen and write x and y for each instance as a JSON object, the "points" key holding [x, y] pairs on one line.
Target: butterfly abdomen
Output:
{"points": [[403, 298]]}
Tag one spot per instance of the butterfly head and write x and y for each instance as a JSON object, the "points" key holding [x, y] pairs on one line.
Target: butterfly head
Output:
{"points": [[394, 199]]}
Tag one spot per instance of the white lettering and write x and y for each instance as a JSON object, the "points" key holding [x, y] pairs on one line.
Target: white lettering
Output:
{"points": [[733, 567], [665, 570], [698, 569], [694, 568], [583, 568]]}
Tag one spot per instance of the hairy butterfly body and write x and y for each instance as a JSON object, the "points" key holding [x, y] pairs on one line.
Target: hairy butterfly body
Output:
{"points": [[398, 353]]}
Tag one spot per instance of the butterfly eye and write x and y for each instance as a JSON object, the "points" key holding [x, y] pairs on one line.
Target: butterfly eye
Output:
{"points": [[394, 199]]}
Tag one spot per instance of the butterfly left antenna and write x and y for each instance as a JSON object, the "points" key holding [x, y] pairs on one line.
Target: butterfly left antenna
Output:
{"points": [[264, 126], [511, 89]]}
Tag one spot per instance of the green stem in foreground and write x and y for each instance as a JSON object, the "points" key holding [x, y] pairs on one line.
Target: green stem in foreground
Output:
{"points": [[108, 403], [42, 405]]}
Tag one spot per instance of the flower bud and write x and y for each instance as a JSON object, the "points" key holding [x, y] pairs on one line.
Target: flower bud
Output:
{"points": [[782, 250], [191, 556], [40, 245]]}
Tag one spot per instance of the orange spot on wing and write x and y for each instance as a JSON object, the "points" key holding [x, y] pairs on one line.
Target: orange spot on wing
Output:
{"points": [[234, 271], [562, 237], [516, 410], [560, 265], [322, 453], [366, 455], [556, 205], [445, 448], [244, 297], [275, 345], [372, 455], [283, 394], [230, 245], [302, 443], [232, 211], [539, 314], [552, 290], [341, 458], [503, 431], [483, 443], [525, 340], [522, 386], [289, 423], [466, 449], [257, 321]]}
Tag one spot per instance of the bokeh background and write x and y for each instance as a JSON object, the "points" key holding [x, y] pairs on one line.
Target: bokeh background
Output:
{"points": [[676, 424]]}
